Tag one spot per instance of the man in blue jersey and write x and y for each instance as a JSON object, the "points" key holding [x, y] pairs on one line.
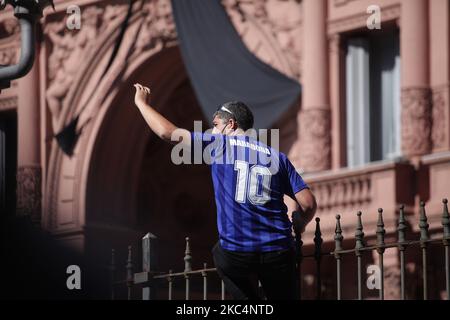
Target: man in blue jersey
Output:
{"points": [[250, 180]]}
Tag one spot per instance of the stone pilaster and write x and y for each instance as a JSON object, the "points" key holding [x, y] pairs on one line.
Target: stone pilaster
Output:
{"points": [[29, 192]]}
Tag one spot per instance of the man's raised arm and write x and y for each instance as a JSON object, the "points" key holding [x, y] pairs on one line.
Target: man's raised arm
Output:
{"points": [[162, 127]]}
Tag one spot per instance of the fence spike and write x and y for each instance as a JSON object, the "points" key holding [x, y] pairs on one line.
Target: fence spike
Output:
{"points": [[298, 249], [401, 228], [359, 234], [318, 256], [187, 257], [446, 221], [318, 240], [298, 235], [424, 237], [446, 242], [380, 231], [380, 249], [423, 225], [338, 238]]}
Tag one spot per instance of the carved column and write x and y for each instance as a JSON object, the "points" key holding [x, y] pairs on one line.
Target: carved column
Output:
{"points": [[337, 81], [416, 95], [314, 150], [28, 161], [440, 73]]}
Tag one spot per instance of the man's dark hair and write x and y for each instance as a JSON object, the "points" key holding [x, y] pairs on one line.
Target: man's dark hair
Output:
{"points": [[238, 111]]}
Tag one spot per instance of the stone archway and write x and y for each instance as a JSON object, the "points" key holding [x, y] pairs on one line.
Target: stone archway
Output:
{"points": [[132, 186]]}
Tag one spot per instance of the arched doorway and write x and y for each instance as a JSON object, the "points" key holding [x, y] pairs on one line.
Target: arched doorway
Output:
{"points": [[132, 185]]}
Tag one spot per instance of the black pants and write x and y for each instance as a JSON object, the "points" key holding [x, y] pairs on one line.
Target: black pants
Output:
{"points": [[240, 271]]}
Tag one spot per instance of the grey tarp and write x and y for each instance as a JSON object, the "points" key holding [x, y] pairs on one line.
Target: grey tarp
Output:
{"points": [[222, 69]]}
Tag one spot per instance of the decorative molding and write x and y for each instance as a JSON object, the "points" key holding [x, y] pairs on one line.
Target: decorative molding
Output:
{"points": [[359, 21], [314, 153], [273, 38], [341, 3], [440, 127], [29, 192], [416, 121], [8, 103]]}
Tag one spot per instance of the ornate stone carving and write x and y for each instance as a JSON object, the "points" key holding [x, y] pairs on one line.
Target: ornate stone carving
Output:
{"points": [[416, 121], [315, 142], [440, 128], [70, 47], [158, 27], [9, 27], [150, 29], [66, 56], [8, 56], [153, 31], [29, 192], [271, 29]]}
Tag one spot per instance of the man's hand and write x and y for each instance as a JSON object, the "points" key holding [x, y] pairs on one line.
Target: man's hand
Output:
{"points": [[162, 127], [142, 95]]}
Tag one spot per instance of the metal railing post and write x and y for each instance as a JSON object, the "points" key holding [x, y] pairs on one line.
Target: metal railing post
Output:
{"points": [[424, 237], [318, 257], [147, 263], [359, 236], [205, 283], [401, 229], [446, 242], [187, 266], [380, 249], [338, 238]]}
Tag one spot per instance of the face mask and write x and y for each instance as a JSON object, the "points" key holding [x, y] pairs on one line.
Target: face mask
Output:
{"points": [[221, 132]]}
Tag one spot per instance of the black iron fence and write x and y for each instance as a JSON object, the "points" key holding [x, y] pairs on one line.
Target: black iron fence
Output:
{"points": [[149, 280]]}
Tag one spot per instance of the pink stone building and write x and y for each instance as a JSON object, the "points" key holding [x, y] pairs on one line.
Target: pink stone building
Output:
{"points": [[371, 128]]}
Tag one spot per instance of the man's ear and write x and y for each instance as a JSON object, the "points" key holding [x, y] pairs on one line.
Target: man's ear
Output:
{"points": [[233, 123]]}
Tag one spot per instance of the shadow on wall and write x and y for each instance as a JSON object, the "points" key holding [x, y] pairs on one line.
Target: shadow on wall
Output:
{"points": [[34, 265]]}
